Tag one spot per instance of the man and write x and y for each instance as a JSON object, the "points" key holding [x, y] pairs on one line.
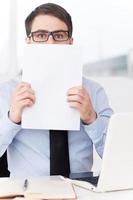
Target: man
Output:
{"points": [[29, 150]]}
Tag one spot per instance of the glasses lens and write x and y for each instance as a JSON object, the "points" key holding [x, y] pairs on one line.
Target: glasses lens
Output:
{"points": [[60, 35], [40, 36]]}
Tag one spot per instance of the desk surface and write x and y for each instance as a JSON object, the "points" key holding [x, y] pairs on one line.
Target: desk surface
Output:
{"points": [[84, 194]]}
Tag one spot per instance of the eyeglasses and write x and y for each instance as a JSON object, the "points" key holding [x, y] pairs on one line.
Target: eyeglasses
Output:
{"points": [[43, 36]]}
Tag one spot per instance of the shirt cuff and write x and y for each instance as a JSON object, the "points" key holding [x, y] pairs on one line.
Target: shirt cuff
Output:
{"points": [[97, 129], [8, 126]]}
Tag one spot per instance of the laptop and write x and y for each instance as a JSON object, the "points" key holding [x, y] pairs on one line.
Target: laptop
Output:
{"points": [[117, 163]]}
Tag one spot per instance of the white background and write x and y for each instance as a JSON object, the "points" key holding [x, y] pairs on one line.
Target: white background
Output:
{"points": [[104, 28]]}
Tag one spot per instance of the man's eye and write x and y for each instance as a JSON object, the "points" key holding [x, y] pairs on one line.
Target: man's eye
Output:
{"points": [[59, 36], [41, 35]]}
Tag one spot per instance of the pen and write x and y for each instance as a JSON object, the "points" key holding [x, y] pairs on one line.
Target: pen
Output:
{"points": [[25, 186]]}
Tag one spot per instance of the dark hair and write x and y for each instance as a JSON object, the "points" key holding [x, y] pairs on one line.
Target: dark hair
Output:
{"points": [[49, 9]]}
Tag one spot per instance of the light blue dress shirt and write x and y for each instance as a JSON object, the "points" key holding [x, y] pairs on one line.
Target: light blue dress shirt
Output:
{"points": [[28, 150]]}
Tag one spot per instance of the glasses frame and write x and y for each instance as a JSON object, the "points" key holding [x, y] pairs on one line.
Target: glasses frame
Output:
{"points": [[31, 35]]}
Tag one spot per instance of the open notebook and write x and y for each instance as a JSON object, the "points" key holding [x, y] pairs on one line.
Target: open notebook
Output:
{"points": [[37, 188]]}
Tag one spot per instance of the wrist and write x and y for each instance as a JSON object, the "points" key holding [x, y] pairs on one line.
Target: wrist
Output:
{"points": [[14, 121], [91, 117]]}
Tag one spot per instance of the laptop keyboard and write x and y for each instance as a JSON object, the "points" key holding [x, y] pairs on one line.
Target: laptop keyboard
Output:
{"points": [[93, 180], [85, 176]]}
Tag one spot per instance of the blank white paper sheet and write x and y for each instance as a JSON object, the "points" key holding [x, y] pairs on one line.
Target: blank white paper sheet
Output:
{"points": [[51, 70]]}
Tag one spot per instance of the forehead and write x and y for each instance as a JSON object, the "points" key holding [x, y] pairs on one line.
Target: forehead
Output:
{"points": [[47, 22]]}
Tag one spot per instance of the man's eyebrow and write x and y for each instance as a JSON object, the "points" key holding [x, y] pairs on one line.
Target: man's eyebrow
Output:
{"points": [[40, 30], [43, 30]]}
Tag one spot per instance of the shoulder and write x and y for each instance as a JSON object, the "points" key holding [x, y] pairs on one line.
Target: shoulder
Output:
{"points": [[6, 88], [91, 85], [8, 84], [95, 90]]}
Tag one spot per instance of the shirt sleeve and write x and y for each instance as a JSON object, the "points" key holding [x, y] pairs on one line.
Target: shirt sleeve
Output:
{"points": [[98, 129], [8, 131]]}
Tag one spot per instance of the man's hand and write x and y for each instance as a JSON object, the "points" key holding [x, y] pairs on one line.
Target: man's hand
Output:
{"points": [[79, 98], [23, 96]]}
